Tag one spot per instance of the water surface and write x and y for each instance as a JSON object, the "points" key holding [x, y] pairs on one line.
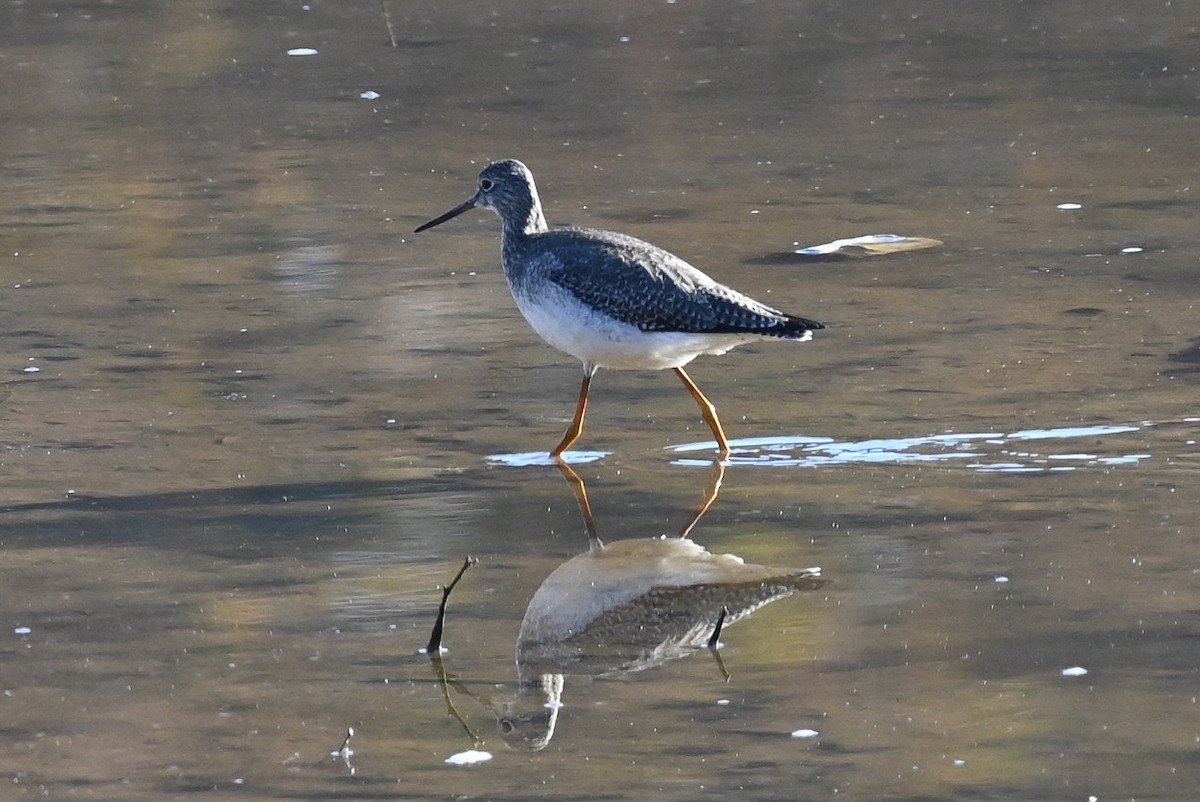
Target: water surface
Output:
{"points": [[251, 423]]}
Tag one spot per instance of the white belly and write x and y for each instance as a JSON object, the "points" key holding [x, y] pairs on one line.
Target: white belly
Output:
{"points": [[601, 341]]}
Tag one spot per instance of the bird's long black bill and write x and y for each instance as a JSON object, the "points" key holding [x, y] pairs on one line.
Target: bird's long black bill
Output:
{"points": [[455, 212]]}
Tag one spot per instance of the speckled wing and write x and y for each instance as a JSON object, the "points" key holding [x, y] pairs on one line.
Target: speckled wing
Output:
{"points": [[645, 286]]}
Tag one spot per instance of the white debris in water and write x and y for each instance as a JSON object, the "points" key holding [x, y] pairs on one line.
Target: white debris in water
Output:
{"points": [[370, 94], [1067, 207], [865, 242], [469, 757], [302, 51], [1074, 671], [1131, 249], [805, 733], [23, 630]]}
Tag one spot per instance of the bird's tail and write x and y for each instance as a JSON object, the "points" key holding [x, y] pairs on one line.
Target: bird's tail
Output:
{"points": [[797, 328]]}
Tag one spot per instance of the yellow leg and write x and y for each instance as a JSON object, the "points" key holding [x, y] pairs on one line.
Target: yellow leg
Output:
{"points": [[576, 427], [706, 409]]}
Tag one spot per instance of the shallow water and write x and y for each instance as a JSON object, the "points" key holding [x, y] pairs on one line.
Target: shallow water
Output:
{"points": [[251, 423]]}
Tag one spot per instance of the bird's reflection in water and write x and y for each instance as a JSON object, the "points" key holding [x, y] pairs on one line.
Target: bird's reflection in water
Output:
{"points": [[626, 606]]}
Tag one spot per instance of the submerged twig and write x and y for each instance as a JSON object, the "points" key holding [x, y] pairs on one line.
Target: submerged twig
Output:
{"points": [[715, 639], [435, 637], [714, 642], [344, 752]]}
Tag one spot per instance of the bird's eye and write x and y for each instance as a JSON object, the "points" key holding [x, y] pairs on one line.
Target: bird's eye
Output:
{"points": [[486, 184]]}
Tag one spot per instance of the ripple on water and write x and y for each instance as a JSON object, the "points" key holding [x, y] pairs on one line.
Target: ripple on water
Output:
{"points": [[544, 458], [979, 451]]}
